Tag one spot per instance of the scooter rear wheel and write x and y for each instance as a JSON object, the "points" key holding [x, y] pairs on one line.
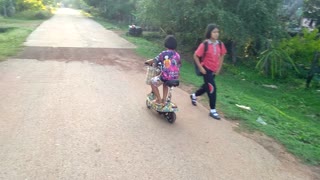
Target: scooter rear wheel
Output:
{"points": [[170, 116], [148, 104]]}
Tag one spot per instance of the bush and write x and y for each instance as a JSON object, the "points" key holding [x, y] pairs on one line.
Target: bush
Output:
{"points": [[42, 15], [5, 29], [275, 62], [34, 15], [153, 36]]}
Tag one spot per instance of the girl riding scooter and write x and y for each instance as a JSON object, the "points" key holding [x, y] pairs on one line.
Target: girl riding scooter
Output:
{"points": [[169, 63]]}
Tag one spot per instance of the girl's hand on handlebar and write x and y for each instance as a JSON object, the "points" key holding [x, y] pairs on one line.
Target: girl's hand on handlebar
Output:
{"points": [[149, 62]]}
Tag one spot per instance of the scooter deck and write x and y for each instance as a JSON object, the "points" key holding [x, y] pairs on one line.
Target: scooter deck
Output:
{"points": [[168, 107], [164, 108]]}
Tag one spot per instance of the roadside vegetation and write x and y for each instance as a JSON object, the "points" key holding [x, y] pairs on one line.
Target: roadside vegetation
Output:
{"points": [[13, 32], [17, 20]]}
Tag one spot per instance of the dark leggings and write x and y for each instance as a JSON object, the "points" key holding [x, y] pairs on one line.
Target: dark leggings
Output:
{"points": [[209, 86]]}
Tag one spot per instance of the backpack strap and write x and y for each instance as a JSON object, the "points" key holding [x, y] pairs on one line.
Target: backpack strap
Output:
{"points": [[205, 43]]}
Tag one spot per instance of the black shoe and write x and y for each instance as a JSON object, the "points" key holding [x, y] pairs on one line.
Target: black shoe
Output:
{"points": [[215, 115], [193, 100]]}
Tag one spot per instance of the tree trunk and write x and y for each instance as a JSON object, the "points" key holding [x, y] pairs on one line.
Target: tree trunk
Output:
{"points": [[314, 69], [5, 11], [234, 52]]}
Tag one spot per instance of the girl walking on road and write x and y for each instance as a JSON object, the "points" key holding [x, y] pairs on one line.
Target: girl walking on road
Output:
{"points": [[212, 52]]}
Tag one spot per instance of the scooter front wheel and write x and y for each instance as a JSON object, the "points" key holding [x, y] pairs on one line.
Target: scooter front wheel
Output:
{"points": [[170, 116]]}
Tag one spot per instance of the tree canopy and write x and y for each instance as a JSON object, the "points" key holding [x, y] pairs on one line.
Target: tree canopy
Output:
{"points": [[248, 27]]}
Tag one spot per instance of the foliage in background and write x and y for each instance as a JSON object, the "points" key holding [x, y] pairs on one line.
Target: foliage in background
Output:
{"points": [[9, 8], [246, 26], [290, 13], [249, 22], [275, 62], [120, 10], [302, 47], [23, 5], [240, 21], [33, 15], [312, 10]]}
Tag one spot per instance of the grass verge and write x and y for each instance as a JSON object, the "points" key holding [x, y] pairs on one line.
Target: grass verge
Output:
{"points": [[13, 32]]}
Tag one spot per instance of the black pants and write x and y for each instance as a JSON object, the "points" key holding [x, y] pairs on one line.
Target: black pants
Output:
{"points": [[209, 86]]}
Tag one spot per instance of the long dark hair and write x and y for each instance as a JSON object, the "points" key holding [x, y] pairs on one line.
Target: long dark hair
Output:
{"points": [[209, 29]]}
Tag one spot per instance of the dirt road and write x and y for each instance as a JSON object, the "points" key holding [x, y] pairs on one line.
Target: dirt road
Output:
{"points": [[72, 106]]}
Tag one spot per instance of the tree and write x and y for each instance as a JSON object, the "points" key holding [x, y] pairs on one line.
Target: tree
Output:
{"points": [[23, 5], [7, 7], [119, 10], [312, 10], [250, 23], [166, 14], [185, 18], [243, 22]]}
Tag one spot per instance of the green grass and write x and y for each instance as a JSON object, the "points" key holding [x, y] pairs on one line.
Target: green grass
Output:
{"points": [[15, 32], [291, 112]]}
